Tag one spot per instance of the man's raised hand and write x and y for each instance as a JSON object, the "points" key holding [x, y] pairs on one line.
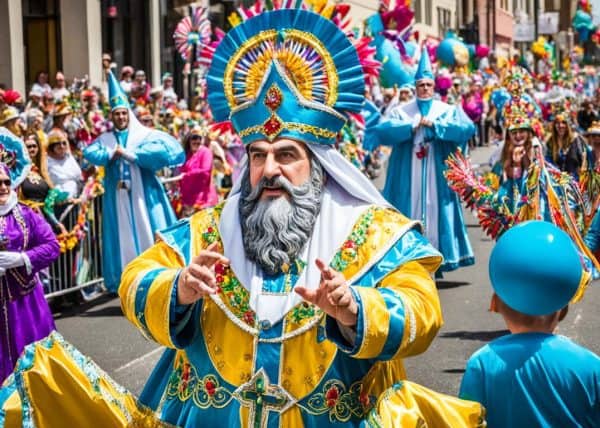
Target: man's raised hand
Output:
{"points": [[333, 296], [198, 279]]}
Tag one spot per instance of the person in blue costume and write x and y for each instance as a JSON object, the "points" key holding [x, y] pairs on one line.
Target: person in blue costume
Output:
{"points": [[135, 204], [423, 133], [533, 377], [294, 302]]}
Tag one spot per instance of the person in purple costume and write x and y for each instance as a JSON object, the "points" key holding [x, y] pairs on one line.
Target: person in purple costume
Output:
{"points": [[27, 245]]}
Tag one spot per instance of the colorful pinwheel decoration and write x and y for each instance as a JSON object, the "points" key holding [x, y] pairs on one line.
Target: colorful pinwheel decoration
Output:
{"points": [[192, 31]]}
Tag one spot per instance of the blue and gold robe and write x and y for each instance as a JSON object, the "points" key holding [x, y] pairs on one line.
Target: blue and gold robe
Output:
{"points": [[225, 368]]}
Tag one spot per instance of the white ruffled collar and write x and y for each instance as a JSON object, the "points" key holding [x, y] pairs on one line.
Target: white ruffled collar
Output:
{"points": [[10, 204]]}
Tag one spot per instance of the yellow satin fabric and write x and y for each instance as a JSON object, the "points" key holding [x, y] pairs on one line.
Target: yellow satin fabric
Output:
{"points": [[231, 350], [158, 301], [423, 310], [62, 395], [376, 323], [413, 405]]}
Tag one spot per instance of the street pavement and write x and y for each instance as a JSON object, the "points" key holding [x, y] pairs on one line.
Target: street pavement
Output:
{"points": [[99, 329]]}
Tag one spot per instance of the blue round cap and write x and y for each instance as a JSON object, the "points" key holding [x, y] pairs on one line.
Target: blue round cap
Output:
{"points": [[535, 268]]}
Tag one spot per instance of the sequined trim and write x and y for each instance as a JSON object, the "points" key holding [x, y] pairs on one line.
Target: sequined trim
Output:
{"points": [[185, 384], [303, 128], [349, 251], [341, 403]]}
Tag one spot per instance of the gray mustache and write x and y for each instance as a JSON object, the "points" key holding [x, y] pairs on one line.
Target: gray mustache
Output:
{"points": [[275, 182]]}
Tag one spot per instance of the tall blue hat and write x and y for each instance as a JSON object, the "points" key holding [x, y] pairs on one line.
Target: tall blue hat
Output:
{"points": [[116, 96], [424, 67], [536, 269], [285, 73]]}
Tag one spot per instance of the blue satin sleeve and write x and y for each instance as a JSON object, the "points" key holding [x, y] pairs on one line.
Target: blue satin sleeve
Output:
{"points": [[372, 302], [592, 237], [97, 154], [159, 150], [472, 386], [384, 132], [455, 127], [182, 328], [381, 320]]}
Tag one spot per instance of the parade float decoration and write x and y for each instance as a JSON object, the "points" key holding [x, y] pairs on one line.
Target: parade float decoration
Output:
{"points": [[543, 49], [191, 32], [482, 51], [443, 81], [393, 39], [452, 51], [583, 22]]}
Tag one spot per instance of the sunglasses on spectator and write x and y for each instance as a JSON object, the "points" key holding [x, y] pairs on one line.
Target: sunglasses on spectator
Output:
{"points": [[5, 182], [31, 146]]}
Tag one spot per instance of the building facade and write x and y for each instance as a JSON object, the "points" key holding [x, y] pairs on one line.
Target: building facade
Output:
{"points": [[433, 18], [72, 35]]}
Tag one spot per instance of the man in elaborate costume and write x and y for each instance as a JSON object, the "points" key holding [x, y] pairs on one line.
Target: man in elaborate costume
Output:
{"points": [[135, 204], [293, 302], [423, 133]]}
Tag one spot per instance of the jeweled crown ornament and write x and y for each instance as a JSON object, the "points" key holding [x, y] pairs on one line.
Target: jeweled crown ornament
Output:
{"points": [[286, 73]]}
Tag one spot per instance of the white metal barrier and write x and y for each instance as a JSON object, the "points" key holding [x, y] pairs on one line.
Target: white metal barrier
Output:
{"points": [[80, 268]]}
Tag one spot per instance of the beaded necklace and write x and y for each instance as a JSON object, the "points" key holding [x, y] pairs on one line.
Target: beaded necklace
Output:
{"points": [[14, 273]]}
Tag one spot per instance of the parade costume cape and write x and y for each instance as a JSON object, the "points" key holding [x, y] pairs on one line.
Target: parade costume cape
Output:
{"points": [[80, 393], [309, 375], [135, 204]]}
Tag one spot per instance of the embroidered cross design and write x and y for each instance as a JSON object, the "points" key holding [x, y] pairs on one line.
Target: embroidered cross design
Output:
{"points": [[262, 397]]}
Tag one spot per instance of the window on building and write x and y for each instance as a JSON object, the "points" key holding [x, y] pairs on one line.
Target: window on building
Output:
{"points": [[466, 15], [125, 33], [444, 18], [504, 4], [428, 12], [41, 36], [417, 9]]}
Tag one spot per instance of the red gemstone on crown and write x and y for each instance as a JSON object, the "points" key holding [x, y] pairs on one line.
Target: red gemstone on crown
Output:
{"points": [[273, 98], [272, 126]]}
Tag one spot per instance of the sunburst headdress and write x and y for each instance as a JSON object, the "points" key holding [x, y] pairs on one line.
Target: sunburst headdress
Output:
{"points": [[286, 73]]}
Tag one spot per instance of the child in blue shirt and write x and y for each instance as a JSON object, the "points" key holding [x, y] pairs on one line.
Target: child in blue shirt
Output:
{"points": [[532, 377]]}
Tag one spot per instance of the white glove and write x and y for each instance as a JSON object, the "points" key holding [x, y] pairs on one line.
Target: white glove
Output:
{"points": [[11, 259], [2, 272]]}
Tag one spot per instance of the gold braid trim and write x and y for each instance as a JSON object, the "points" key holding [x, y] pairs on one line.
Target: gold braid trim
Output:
{"points": [[290, 126]]}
